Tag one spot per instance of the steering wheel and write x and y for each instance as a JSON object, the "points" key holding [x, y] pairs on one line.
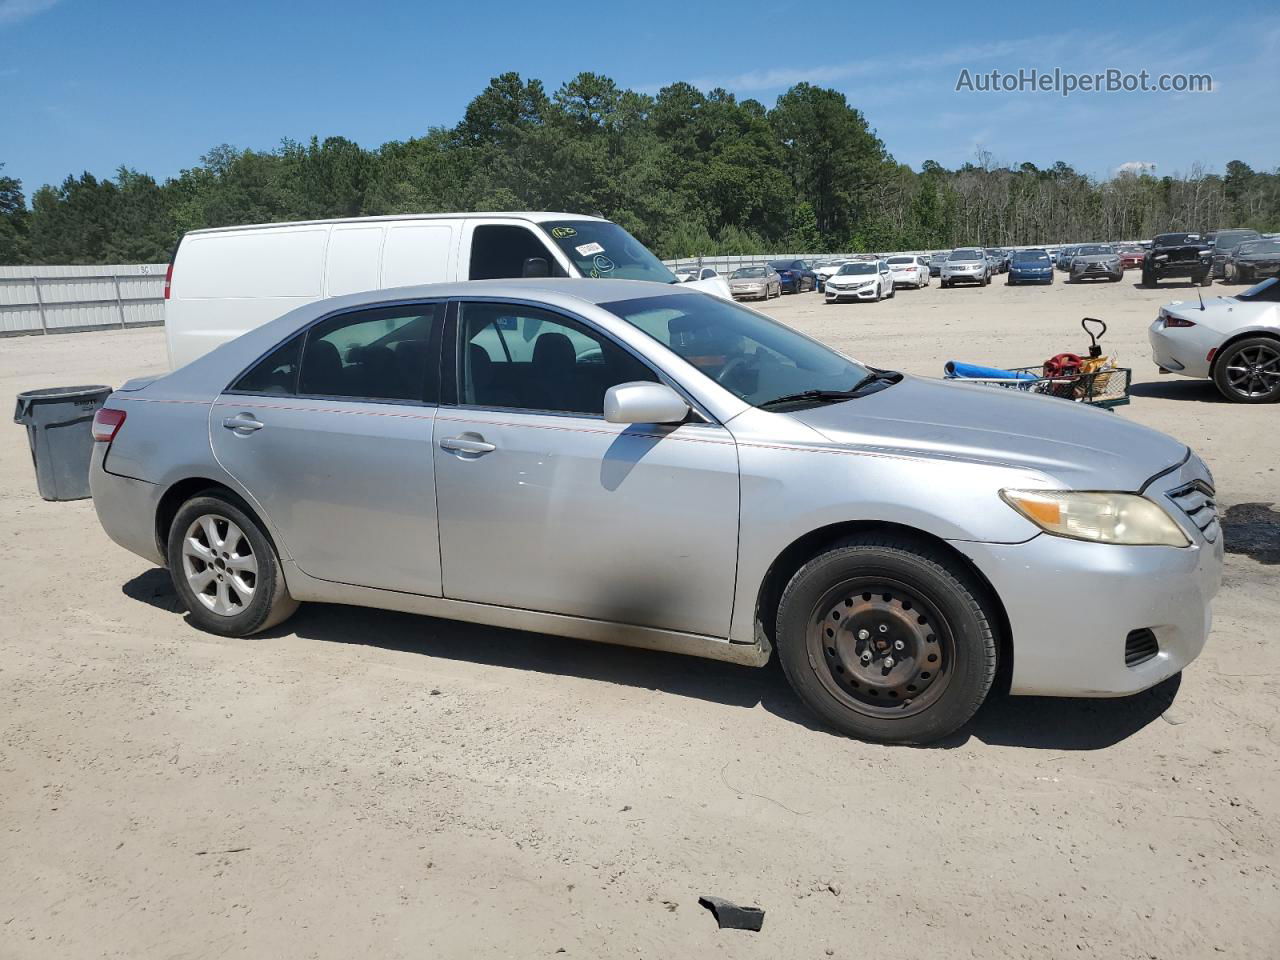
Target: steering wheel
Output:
{"points": [[729, 368]]}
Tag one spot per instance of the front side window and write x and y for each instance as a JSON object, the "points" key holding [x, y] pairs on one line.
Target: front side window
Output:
{"points": [[390, 353], [499, 251], [599, 248], [525, 358], [753, 357]]}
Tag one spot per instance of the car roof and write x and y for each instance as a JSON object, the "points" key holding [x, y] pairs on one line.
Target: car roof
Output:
{"points": [[534, 216]]}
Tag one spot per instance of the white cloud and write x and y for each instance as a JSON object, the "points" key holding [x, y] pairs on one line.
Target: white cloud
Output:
{"points": [[15, 11], [1136, 166]]}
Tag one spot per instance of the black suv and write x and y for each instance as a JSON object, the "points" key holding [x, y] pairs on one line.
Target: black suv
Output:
{"points": [[1178, 255]]}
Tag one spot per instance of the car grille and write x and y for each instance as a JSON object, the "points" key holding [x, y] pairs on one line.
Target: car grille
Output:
{"points": [[1196, 500], [1140, 646]]}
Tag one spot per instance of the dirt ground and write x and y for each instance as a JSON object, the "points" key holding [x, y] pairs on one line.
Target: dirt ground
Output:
{"points": [[363, 783]]}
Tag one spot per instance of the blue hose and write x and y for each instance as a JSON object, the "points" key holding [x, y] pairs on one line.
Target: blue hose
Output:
{"points": [[965, 371]]}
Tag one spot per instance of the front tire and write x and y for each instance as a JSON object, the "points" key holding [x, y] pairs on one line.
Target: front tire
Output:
{"points": [[1248, 371], [225, 569], [887, 639], [1205, 280]]}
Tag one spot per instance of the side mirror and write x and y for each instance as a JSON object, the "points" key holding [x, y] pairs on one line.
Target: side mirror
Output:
{"points": [[641, 402], [536, 267]]}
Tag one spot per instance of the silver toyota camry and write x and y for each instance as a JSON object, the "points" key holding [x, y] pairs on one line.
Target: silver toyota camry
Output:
{"points": [[641, 464]]}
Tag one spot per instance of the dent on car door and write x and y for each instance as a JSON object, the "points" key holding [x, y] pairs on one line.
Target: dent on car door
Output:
{"points": [[331, 435], [546, 506]]}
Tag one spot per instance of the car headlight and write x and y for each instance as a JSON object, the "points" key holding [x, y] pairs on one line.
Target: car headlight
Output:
{"points": [[1119, 518]]}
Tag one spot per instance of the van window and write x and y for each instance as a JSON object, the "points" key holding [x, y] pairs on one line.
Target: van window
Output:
{"points": [[524, 358], [276, 373], [391, 353], [499, 250], [602, 249]]}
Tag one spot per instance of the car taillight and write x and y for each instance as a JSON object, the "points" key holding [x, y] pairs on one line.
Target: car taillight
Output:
{"points": [[168, 280], [1171, 321], [106, 424]]}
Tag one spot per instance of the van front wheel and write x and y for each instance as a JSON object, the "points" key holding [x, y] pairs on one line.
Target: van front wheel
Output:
{"points": [[887, 639]]}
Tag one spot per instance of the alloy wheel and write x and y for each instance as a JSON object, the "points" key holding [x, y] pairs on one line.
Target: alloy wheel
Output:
{"points": [[219, 564], [1254, 371]]}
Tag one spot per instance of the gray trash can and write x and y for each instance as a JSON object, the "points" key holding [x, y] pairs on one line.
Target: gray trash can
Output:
{"points": [[59, 424]]}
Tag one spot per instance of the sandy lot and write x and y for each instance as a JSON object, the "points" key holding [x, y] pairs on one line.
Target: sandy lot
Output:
{"points": [[374, 784]]}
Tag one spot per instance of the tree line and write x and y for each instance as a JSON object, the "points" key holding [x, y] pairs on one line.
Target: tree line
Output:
{"points": [[689, 173]]}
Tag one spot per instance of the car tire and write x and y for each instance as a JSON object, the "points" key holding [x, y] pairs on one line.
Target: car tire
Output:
{"points": [[879, 292], [1205, 280], [1257, 352], [832, 652], [1148, 278], [893, 290], [944, 284], [249, 593]]}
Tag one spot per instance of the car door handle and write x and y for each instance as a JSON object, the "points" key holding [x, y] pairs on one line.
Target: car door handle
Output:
{"points": [[243, 422], [471, 443]]}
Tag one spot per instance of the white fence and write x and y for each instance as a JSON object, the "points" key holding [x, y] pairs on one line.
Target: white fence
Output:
{"points": [[70, 299]]}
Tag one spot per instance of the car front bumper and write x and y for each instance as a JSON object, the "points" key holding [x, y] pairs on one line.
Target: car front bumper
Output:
{"points": [[861, 293], [1019, 276], [976, 276], [759, 294], [1072, 604], [1182, 350], [1098, 273]]}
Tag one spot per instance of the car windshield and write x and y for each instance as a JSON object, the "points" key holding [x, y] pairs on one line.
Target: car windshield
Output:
{"points": [[1227, 239], [751, 356], [852, 269], [1258, 246], [744, 272], [1094, 250], [1175, 239], [602, 249], [965, 255], [1268, 291], [782, 264], [1031, 256], [902, 260], [938, 256]]}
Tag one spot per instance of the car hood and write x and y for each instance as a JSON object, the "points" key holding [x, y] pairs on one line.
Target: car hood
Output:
{"points": [[1074, 446], [1094, 257]]}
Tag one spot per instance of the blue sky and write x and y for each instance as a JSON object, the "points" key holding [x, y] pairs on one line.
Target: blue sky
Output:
{"points": [[91, 85]]}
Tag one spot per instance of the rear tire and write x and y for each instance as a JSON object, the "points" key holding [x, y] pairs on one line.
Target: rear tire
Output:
{"points": [[225, 569], [1231, 371], [1205, 280], [887, 639], [1148, 278]]}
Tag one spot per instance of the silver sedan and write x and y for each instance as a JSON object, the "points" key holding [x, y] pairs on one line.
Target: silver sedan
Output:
{"points": [[648, 465]]}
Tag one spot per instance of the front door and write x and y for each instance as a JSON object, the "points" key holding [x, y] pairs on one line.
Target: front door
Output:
{"points": [[545, 506], [332, 436]]}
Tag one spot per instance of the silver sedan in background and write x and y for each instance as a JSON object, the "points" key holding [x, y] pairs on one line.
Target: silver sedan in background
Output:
{"points": [[755, 283], [644, 464], [1095, 261]]}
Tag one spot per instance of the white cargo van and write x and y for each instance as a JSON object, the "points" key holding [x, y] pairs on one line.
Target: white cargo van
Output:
{"points": [[227, 280]]}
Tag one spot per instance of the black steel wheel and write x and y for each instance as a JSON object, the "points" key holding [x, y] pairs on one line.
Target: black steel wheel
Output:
{"points": [[887, 639]]}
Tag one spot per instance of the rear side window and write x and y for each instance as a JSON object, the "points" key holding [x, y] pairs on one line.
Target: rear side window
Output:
{"points": [[390, 353], [276, 373]]}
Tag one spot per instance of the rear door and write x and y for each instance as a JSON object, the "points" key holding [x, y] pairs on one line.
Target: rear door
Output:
{"points": [[331, 434]]}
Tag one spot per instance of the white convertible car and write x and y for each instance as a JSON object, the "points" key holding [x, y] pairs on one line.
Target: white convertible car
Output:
{"points": [[1233, 341]]}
